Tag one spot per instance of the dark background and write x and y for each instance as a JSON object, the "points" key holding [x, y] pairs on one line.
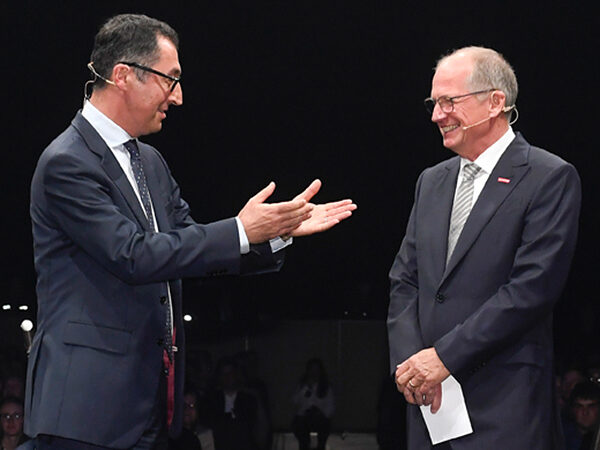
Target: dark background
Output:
{"points": [[290, 91]]}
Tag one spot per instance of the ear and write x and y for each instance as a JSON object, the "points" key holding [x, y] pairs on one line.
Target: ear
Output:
{"points": [[497, 102], [121, 74]]}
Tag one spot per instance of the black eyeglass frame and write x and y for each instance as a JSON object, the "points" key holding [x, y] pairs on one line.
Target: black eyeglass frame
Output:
{"points": [[431, 102], [175, 80]]}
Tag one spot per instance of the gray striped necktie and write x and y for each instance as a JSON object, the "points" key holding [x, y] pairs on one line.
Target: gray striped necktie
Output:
{"points": [[463, 202]]}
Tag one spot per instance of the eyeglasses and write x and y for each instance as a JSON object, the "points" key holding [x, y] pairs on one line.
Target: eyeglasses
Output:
{"points": [[447, 103], [7, 417], [175, 80]]}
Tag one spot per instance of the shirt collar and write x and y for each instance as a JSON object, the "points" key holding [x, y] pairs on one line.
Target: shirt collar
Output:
{"points": [[489, 158], [109, 131]]}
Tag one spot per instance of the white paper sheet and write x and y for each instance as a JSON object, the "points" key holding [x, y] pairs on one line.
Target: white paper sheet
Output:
{"points": [[452, 419]]}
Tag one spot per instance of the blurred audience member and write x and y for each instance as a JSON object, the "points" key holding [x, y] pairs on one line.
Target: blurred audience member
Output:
{"points": [[569, 379], [248, 362], [584, 403], [234, 411], [196, 422], [11, 416], [314, 406]]}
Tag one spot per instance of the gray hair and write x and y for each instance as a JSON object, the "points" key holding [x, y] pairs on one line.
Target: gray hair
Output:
{"points": [[490, 71]]}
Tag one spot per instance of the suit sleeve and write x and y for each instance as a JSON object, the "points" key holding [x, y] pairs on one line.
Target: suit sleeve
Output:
{"points": [[538, 274], [260, 259], [80, 202], [404, 333]]}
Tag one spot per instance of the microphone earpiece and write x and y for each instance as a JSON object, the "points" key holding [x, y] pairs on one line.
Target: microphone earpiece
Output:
{"points": [[508, 108], [97, 75]]}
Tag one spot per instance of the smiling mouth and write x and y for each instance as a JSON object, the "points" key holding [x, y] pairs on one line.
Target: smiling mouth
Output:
{"points": [[449, 128]]}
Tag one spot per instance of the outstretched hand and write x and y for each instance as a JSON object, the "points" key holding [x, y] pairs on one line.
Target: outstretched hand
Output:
{"points": [[323, 216], [263, 221], [298, 217]]}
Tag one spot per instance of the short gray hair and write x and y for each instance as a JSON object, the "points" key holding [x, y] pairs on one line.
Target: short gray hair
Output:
{"points": [[490, 71]]}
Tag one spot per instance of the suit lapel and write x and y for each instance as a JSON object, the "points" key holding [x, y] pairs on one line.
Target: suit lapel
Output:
{"points": [[512, 166], [111, 166], [443, 195]]}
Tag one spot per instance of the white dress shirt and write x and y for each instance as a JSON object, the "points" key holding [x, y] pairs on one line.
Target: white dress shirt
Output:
{"points": [[487, 161]]}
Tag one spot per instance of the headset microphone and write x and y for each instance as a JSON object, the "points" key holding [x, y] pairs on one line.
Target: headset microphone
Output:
{"points": [[505, 109], [476, 123]]}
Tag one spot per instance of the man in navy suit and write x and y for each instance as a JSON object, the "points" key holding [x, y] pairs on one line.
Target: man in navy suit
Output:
{"points": [[486, 254], [112, 240]]}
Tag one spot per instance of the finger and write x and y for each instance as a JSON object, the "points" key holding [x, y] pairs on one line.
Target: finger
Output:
{"points": [[291, 217], [311, 190], [340, 216], [408, 395], [340, 204], [264, 194], [399, 387], [291, 226], [291, 206], [436, 403], [340, 210], [426, 399], [404, 373], [418, 399]]}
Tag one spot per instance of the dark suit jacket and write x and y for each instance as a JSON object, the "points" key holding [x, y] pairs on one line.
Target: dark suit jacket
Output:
{"points": [[94, 367], [489, 312]]}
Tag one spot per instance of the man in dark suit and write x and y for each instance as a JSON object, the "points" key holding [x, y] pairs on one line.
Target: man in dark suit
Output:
{"points": [[472, 293], [112, 239]]}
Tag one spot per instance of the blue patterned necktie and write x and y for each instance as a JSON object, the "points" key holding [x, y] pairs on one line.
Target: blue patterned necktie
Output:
{"points": [[140, 179]]}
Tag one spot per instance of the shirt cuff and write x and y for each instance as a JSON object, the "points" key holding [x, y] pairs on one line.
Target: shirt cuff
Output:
{"points": [[279, 244], [244, 243]]}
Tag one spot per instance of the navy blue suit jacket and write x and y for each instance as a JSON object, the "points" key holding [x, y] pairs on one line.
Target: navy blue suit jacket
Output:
{"points": [[488, 313], [95, 363]]}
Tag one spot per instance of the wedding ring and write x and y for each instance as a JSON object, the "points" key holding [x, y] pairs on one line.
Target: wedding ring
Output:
{"points": [[411, 384]]}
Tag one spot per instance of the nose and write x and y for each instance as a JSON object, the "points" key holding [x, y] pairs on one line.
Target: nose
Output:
{"points": [[437, 114], [176, 96]]}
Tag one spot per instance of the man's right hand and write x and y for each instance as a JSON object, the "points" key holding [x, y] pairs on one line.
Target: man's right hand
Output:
{"points": [[264, 221], [433, 397]]}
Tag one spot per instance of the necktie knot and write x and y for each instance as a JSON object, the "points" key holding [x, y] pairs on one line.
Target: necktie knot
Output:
{"points": [[470, 171], [132, 148]]}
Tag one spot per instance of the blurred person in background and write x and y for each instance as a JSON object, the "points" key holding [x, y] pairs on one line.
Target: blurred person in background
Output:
{"points": [[11, 416], [314, 405]]}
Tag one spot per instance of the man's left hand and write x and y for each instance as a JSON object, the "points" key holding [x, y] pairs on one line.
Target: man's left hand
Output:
{"points": [[421, 372]]}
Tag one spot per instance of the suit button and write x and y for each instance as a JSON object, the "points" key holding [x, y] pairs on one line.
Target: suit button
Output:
{"points": [[160, 342], [163, 299], [440, 298]]}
